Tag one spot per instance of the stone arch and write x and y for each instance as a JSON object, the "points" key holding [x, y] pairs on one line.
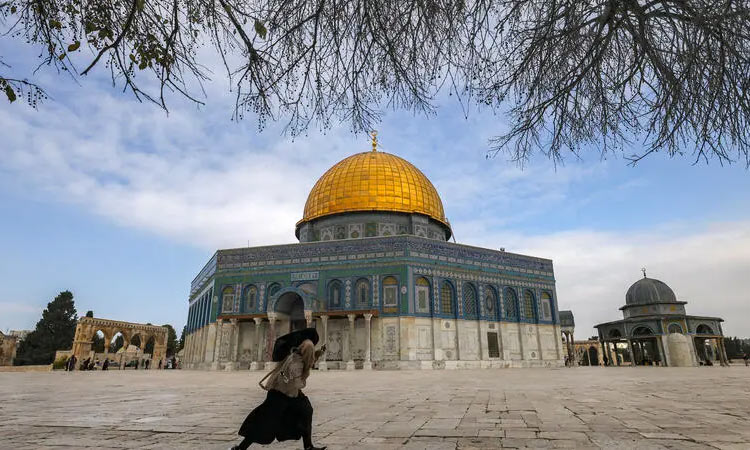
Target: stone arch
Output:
{"points": [[704, 329], [307, 299], [643, 330], [88, 326]]}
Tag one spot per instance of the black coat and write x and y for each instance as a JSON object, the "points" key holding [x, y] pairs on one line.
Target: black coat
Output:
{"points": [[278, 417]]}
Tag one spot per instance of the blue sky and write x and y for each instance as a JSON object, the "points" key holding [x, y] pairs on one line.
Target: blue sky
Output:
{"points": [[123, 204]]}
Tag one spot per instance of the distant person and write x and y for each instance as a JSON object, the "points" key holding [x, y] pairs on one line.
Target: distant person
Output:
{"points": [[136, 364], [85, 364], [174, 362], [606, 362], [160, 364], [105, 365], [148, 361], [746, 357], [286, 414]]}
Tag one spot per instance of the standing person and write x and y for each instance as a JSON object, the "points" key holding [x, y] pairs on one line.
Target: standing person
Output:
{"points": [[747, 359], [148, 361], [160, 364], [286, 414], [136, 363], [105, 365]]}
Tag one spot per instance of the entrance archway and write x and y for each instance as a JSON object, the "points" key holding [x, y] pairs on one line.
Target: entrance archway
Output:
{"points": [[291, 305]]}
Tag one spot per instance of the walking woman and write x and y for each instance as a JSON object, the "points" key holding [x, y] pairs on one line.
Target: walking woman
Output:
{"points": [[286, 414]]}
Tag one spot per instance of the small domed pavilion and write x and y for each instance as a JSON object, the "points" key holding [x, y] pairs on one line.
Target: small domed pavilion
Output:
{"points": [[656, 330]]}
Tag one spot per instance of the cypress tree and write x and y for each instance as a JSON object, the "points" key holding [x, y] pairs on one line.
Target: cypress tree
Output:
{"points": [[54, 331]]}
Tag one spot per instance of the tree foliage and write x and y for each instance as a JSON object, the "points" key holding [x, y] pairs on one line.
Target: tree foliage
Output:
{"points": [[736, 347], [569, 74], [182, 338], [54, 331], [171, 340]]}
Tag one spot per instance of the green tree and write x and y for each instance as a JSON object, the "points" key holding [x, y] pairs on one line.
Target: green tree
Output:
{"points": [[171, 340], [570, 76], [89, 313], [182, 338], [54, 331]]}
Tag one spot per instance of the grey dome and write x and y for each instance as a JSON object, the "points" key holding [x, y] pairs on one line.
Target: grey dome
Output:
{"points": [[647, 291]]}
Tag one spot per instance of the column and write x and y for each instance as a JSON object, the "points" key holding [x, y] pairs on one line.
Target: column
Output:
{"points": [[617, 354], [257, 363], [723, 352], [350, 356], [322, 364], [367, 365], [664, 339], [271, 337], [588, 356], [605, 348], [217, 343], [630, 351], [234, 357], [308, 318]]}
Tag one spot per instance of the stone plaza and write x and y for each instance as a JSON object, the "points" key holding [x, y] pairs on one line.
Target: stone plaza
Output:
{"points": [[582, 407]]}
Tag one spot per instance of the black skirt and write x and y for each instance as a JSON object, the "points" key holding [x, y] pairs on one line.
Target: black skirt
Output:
{"points": [[279, 417]]}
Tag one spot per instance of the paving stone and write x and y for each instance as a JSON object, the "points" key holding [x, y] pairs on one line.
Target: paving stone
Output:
{"points": [[612, 408]]}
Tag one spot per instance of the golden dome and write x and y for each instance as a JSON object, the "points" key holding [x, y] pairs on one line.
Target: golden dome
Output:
{"points": [[373, 181]]}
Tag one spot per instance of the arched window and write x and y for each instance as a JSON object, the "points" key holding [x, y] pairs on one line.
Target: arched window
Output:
{"points": [[334, 294], [704, 329], [470, 301], [546, 306], [490, 302], [529, 309], [390, 292], [510, 303], [227, 299], [642, 331], [674, 328], [446, 298], [273, 289], [251, 297], [363, 292], [422, 294]]}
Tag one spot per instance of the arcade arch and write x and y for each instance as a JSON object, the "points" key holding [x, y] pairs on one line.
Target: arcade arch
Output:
{"points": [[91, 329]]}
